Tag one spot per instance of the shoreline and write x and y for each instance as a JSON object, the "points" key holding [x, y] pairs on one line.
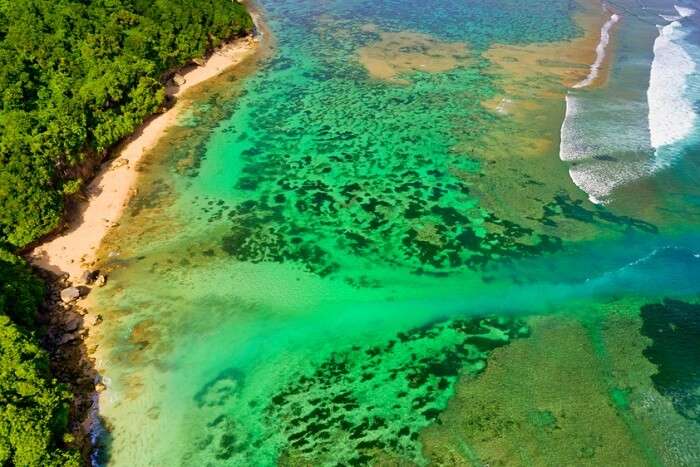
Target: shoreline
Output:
{"points": [[67, 259], [74, 250]]}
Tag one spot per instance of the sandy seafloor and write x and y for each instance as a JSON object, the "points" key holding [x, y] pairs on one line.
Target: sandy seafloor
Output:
{"points": [[430, 233]]}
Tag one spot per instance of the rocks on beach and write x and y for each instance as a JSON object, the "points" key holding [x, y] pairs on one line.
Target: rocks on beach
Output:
{"points": [[93, 278], [101, 280], [73, 323], [87, 277], [68, 324], [70, 294], [179, 80], [66, 338]]}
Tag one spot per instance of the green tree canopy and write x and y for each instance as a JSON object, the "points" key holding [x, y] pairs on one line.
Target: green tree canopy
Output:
{"points": [[76, 77], [20, 291], [33, 407]]}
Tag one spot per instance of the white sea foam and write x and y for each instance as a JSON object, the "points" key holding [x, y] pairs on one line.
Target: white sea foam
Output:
{"points": [[590, 184], [594, 128], [606, 143], [599, 178], [599, 51], [503, 106], [671, 113], [684, 11], [571, 146]]}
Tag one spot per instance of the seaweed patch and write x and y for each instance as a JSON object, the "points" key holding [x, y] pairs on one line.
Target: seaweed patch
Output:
{"points": [[674, 327], [376, 399]]}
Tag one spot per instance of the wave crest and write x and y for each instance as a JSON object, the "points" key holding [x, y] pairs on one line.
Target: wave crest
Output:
{"points": [[671, 113]]}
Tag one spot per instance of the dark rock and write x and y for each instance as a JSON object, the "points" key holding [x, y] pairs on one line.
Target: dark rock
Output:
{"points": [[73, 323], [87, 277], [66, 338]]}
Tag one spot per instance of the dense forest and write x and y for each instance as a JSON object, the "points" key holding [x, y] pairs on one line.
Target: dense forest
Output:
{"points": [[76, 77], [33, 407]]}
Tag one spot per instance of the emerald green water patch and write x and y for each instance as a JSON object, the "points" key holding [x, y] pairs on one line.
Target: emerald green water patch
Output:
{"points": [[329, 184], [333, 168], [303, 275], [358, 403], [329, 168]]}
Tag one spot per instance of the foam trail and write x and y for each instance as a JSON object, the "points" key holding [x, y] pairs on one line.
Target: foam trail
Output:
{"points": [[600, 52], [671, 113], [570, 146], [657, 252]]}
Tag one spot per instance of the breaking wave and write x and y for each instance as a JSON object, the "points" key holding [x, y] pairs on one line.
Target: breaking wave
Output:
{"points": [[671, 114], [611, 140]]}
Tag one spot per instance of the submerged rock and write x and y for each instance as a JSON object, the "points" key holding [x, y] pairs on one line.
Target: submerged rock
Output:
{"points": [[87, 277], [100, 280]]}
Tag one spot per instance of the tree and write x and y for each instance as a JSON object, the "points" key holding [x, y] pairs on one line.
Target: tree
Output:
{"points": [[76, 77]]}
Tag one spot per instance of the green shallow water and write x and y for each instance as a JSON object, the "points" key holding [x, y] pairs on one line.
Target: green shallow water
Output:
{"points": [[326, 266]]}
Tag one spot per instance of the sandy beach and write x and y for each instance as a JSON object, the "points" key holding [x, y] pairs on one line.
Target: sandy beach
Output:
{"points": [[74, 250]]}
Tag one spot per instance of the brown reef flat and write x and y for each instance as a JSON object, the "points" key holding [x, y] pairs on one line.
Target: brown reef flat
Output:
{"points": [[402, 52]]}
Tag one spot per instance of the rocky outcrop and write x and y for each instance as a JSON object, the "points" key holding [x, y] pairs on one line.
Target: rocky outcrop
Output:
{"points": [[68, 325], [87, 277]]}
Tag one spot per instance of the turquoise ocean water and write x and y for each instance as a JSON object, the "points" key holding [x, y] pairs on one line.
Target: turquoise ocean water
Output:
{"points": [[400, 239]]}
